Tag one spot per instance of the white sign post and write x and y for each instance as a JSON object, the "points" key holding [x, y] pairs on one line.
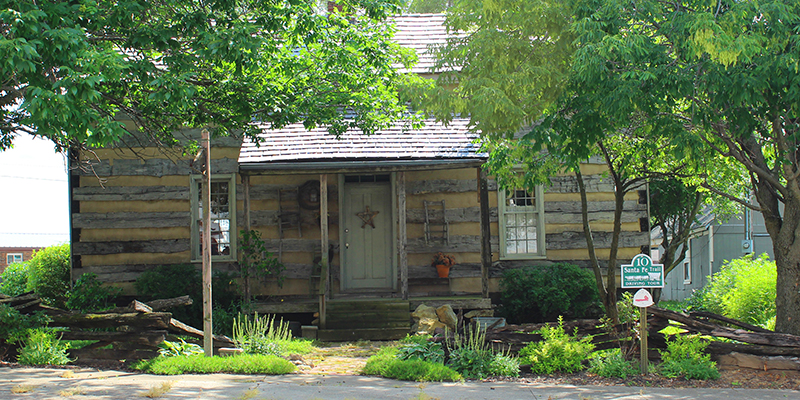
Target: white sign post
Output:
{"points": [[642, 273]]}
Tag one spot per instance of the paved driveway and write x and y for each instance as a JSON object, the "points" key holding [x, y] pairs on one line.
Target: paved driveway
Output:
{"points": [[86, 384]]}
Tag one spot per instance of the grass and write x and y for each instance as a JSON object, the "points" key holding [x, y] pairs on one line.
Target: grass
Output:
{"points": [[158, 391], [200, 364], [386, 364], [20, 389], [76, 391], [673, 305]]}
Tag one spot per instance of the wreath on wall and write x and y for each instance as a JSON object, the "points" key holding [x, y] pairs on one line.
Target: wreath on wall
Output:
{"points": [[308, 195]]}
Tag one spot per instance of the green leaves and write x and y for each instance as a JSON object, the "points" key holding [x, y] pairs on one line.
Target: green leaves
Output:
{"points": [[72, 68]]}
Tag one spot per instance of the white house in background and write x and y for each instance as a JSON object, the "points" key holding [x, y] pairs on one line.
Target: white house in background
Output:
{"points": [[714, 241]]}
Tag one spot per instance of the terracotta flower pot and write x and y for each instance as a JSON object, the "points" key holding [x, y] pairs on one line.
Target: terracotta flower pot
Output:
{"points": [[443, 270]]}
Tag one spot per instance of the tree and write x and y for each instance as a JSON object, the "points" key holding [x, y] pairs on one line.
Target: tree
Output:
{"points": [[707, 76], [70, 69], [429, 6]]}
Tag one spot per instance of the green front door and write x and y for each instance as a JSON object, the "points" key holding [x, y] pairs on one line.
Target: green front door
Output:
{"points": [[367, 261]]}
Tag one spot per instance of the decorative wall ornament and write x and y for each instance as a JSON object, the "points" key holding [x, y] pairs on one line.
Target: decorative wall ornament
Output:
{"points": [[367, 216]]}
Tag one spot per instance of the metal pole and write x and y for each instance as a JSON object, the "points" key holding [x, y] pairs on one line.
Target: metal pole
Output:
{"points": [[208, 346]]}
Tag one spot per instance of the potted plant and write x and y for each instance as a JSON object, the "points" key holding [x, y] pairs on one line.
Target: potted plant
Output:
{"points": [[443, 262]]}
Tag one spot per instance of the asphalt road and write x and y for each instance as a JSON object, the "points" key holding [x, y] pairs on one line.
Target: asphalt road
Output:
{"points": [[88, 384]]}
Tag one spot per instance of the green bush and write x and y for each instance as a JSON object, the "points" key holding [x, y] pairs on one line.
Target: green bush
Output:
{"points": [[14, 279], [200, 364], [88, 294], [557, 351], [541, 293], [174, 349], [611, 364], [385, 363], [14, 326], [743, 289], [472, 357], [428, 351], [685, 357], [167, 281], [41, 347], [49, 274], [261, 335]]}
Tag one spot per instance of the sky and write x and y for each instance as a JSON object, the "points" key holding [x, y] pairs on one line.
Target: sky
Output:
{"points": [[34, 195]]}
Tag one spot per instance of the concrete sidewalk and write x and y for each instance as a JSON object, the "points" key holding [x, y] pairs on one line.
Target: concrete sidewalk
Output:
{"points": [[86, 384]]}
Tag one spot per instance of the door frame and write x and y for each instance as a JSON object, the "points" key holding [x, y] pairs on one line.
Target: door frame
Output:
{"points": [[393, 218]]}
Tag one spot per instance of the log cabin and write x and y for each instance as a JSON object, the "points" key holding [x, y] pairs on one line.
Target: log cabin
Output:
{"points": [[355, 220]]}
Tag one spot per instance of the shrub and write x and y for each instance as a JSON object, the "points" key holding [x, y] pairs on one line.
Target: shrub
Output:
{"points": [[428, 351], [262, 335], [14, 279], [89, 294], [43, 348], [200, 364], [685, 357], [174, 349], [472, 357], [611, 364], [49, 274], [541, 293], [385, 363], [743, 289], [557, 351], [14, 326], [167, 281]]}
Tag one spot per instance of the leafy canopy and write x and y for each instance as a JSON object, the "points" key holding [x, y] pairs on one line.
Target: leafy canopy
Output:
{"points": [[71, 69]]}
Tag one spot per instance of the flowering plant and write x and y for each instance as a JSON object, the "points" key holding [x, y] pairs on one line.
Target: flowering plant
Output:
{"points": [[443, 259]]}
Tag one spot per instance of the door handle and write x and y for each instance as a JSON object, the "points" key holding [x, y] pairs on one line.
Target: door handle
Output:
{"points": [[347, 245]]}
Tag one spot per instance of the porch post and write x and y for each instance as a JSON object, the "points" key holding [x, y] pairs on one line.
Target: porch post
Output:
{"points": [[246, 187], [486, 245], [324, 281], [208, 335], [402, 236]]}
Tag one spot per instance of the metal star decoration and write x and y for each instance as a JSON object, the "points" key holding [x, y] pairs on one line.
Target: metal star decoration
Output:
{"points": [[367, 217]]}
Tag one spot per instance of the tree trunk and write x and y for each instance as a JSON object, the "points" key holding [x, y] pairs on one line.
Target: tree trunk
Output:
{"points": [[611, 307]]}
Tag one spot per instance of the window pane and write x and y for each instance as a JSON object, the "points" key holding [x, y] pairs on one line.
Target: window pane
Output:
{"points": [[220, 218], [521, 222]]}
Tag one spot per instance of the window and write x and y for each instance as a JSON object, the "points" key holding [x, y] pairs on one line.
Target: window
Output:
{"points": [[687, 266], [13, 258], [223, 217], [521, 223]]}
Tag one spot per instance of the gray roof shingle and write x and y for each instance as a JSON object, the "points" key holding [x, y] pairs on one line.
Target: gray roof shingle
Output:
{"points": [[433, 141], [420, 32]]}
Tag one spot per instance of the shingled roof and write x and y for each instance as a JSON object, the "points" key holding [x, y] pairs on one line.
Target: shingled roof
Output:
{"points": [[432, 142], [420, 32], [435, 143]]}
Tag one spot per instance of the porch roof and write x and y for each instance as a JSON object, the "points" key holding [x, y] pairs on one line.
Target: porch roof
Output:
{"points": [[433, 143]]}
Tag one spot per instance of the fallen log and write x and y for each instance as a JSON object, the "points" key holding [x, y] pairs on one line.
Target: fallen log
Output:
{"points": [[180, 327], [164, 304], [148, 338], [90, 355], [708, 328], [721, 318], [715, 347], [158, 320]]}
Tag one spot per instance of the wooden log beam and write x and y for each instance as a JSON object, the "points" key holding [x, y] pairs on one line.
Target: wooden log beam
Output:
{"points": [[147, 338], [181, 328], [165, 304], [721, 318], [708, 328], [158, 320]]}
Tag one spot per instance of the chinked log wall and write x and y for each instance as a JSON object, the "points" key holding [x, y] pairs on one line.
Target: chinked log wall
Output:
{"points": [[140, 217]]}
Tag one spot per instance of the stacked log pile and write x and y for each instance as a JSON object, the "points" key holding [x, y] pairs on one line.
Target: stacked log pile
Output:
{"points": [[751, 346], [123, 333]]}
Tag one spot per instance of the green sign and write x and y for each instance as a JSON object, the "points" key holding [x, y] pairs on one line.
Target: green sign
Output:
{"points": [[642, 273]]}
